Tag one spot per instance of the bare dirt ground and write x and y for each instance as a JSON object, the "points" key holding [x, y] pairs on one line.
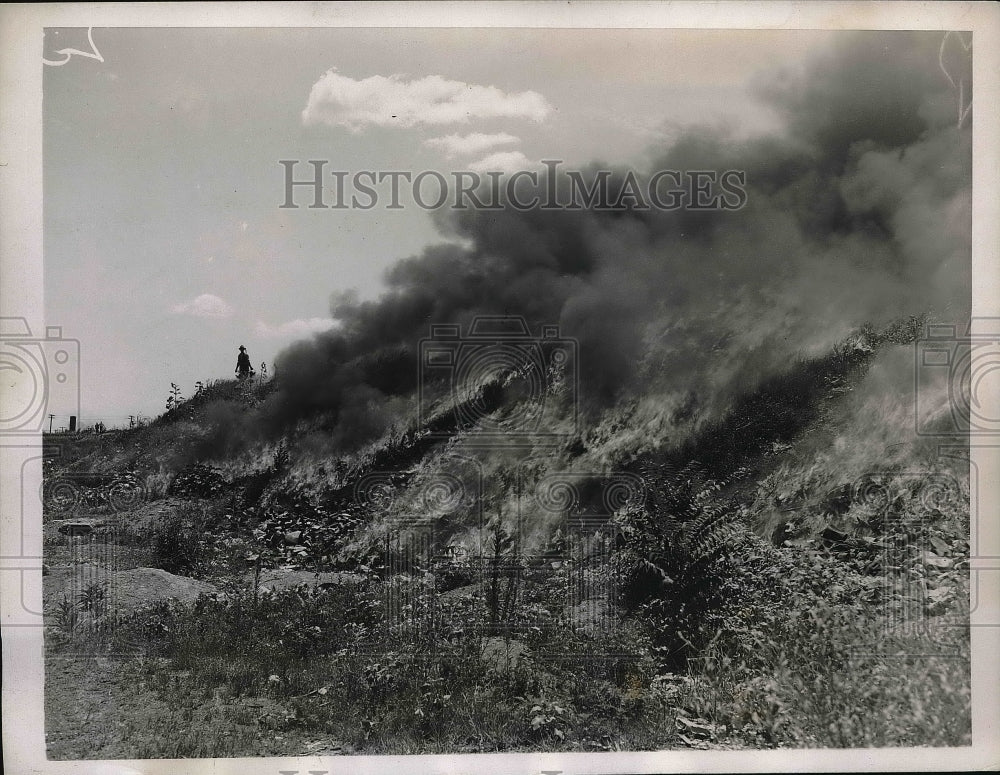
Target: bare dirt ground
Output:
{"points": [[83, 708], [94, 706]]}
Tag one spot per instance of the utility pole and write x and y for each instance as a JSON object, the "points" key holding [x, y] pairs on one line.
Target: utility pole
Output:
{"points": [[51, 418]]}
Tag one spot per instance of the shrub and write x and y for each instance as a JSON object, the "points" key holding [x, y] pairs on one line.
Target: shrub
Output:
{"points": [[179, 541], [198, 481]]}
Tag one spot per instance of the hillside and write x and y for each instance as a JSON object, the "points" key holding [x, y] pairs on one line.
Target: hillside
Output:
{"points": [[793, 572]]}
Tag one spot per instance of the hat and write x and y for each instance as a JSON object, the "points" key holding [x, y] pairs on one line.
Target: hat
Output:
{"points": [[242, 347]]}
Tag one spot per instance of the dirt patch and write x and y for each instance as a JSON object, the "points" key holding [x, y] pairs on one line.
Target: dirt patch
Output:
{"points": [[124, 591], [98, 708], [81, 708], [132, 589]]}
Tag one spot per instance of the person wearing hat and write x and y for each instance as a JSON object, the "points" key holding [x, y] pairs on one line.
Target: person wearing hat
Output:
{"points": [[243, 367]]}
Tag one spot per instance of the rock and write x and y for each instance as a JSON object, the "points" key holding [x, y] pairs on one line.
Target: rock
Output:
{"points": [[292, 537], [198, 481], [936, 562], [696, 728], [938, 601], [832, 537], [79, 527], [690, 742], [939, 545], [327, 748]]}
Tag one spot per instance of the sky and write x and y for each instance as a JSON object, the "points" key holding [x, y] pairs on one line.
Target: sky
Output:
{"points": [[165, 246]]}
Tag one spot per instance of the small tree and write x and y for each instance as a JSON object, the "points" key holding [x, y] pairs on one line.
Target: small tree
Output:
{"points": [[504, 564], [174, 399]]}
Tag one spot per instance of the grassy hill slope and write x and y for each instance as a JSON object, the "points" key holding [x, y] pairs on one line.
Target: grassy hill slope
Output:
{"points": [[792, 571]]}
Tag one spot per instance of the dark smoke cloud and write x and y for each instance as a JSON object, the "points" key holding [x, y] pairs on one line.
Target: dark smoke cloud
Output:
{"points": [[859, 212]]}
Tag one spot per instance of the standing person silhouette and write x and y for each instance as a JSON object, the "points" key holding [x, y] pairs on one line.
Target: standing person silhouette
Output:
{"points": [[243, 367]]}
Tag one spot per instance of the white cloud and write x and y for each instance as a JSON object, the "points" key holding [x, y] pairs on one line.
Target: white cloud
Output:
{"points": [[504, 161], [204, 306], [337, 100], [467, 145], [295, 328]]}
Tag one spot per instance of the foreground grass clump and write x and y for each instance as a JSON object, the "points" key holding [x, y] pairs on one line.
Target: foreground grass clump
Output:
{"points": [[837, 676], [307, 662], [819, 670]]}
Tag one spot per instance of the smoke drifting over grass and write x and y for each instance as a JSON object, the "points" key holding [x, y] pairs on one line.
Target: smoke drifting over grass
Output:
{"points": [[859, 213]]}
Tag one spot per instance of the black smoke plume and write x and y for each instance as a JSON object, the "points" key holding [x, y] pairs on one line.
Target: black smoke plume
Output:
{"points": [[859, 212]]}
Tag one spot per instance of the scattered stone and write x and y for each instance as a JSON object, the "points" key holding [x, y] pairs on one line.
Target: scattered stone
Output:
{"points": [[938, 601], [936, 562], [696, 728], [198, 481], [939, 546]]}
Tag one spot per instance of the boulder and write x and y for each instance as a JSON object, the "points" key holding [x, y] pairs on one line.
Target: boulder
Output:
{"points": [[698, 728], [137, 588], [833, 538], [80, 527]]}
